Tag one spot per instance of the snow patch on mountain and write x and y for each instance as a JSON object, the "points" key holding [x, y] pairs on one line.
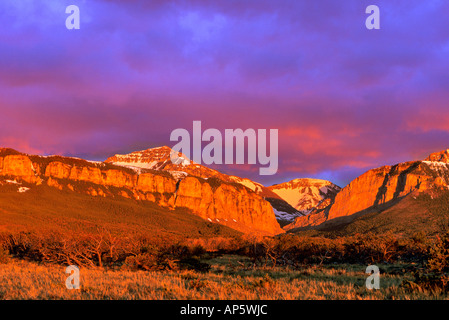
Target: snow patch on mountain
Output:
{"points": [[440, 168], [286, 216], [254, 186], [23, 189], [135, 165], [12, 182], [305, 194]]}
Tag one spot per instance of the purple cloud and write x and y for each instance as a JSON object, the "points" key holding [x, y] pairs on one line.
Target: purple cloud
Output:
{"points": [[345, 99]]}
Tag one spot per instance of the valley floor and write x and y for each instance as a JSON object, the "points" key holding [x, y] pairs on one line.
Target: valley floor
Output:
{"points": [[229, 278]]}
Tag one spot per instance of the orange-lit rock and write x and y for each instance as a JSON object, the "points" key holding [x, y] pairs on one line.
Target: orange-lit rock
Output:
{"points": [[88, 174], [149, 182], [58, 170], [118, 178], [382, 185], [220, 201], [234, 204], [442, 156], [19, 166]]}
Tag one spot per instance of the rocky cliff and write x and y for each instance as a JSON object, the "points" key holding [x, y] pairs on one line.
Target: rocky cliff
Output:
{"points": [[382, 186], [226, 203], [230, 204], [159, 159]]}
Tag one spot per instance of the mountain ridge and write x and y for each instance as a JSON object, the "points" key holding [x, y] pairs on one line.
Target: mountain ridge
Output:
{"points": [[381, 186], [246, 211], [239, 203], [159, 158]]}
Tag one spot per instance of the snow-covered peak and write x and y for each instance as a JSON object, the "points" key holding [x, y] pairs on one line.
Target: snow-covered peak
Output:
{"points": [[164, 159], [441, 169], [154, 158], [305, 194]]}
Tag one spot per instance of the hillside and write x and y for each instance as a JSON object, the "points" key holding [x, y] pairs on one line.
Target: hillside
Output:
{"points": [[44, 209]]}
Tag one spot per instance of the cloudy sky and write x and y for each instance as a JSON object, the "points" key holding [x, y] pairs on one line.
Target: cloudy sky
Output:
{"points": [[345, 99]]}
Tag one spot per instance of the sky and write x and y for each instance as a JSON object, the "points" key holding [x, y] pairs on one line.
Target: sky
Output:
{"points": [[345, 99]]}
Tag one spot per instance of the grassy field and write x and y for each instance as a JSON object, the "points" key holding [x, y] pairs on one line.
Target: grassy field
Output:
{"points": [[229, 278], [46, 209], [129, 249]]}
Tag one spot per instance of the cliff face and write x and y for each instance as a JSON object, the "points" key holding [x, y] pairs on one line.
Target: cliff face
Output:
{"points": [[231, 204], [215, 200], [19, 166], [159, 159], [387, 183], [382, 185]]}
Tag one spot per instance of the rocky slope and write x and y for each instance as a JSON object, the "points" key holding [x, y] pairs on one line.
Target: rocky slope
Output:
{"points": [[382, 186], [213, 199]]}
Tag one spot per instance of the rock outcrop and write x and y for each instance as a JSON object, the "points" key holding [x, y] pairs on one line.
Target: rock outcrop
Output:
{"points": [[442, 156], [226, 203], [18, 165]]}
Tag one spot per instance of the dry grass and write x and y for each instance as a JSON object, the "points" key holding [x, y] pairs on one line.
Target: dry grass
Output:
{"points": [[226, 280], [44, 209]]}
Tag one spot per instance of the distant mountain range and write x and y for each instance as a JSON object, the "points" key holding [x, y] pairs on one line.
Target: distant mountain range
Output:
{"points": [[238, 203]]}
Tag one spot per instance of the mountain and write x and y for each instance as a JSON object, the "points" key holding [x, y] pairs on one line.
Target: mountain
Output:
{"points": [[306, 194], [215, 200], [381, 188], [159, 159]]}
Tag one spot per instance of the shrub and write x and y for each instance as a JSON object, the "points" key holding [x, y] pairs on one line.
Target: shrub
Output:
{"points": [[435, 273], [145, 261], [193, 264]]}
